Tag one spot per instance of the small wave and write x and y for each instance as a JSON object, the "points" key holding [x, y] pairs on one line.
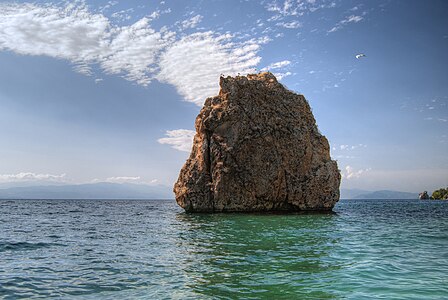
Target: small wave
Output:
{"points": [[23, 246]]}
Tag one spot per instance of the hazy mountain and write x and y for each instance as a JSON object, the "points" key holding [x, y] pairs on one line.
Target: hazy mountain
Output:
{"points": [[386, 194], [104, 190], [89, 191], [352, 193], [7, 185]]}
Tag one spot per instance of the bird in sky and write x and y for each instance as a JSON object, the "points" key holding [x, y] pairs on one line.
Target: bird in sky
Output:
{"points": [[358, 56]]}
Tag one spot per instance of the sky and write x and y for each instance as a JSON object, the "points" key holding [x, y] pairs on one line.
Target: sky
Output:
{"points": [[108, 91]]}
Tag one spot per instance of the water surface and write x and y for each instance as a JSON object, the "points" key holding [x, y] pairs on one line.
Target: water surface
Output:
{"points": [[396, 249]]}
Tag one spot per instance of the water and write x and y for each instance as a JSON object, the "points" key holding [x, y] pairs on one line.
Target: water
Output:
{"points": [[92, 249]]}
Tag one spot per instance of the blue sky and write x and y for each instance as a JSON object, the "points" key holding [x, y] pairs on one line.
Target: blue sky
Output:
{"points": [[96, 91]]}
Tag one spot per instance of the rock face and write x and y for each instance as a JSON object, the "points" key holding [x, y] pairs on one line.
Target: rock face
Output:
{"points": [[257, 148], [423, 196]]}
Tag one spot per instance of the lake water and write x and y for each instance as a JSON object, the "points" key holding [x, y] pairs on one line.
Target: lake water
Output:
{"points": [[91, 249]]}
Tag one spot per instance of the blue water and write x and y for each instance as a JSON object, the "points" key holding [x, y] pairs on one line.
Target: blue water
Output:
{"points": [[91, 249]]}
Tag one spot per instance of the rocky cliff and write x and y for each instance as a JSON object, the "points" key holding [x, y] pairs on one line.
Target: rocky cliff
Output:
{"points": [[257, 148]]}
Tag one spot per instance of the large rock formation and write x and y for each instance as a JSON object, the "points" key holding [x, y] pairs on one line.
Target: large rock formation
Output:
{"points": [[257, 148]]}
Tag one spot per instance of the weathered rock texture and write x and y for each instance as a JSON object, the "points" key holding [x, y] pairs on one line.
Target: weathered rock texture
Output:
{"points": [[257, 148]]}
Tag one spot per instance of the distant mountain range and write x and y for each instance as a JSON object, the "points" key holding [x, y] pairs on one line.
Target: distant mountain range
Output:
{"points": [[105, 190], [383, 194], [102, 190]]}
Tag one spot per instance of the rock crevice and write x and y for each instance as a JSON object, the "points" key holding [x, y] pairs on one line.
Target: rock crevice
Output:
{"points": [[257, 148]]}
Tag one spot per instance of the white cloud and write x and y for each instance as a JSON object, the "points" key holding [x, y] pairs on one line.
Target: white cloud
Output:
{"points": [[179, 139], [136, 52], [29, 176], [351, 147], [123, 179], [350, 173], [192, 22], [194, 63], [292, 8], [123, 15], [83, 38], [347, 20], [280, 76], [354, 19], [285, 9], [289, 25], [69, 32], [276, 65]]}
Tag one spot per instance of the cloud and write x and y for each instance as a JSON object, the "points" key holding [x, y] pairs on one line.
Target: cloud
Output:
{"points": [[83, 38], [289, 25], [136, 52], [280, 76], [194, 63], [123, 15], [69, 32], [123, 179], [277, 65], [291, 8], [179, 139], [192, 22], [285, 9], [347, 20], [350, 173], [350, 147], [29, 176]]}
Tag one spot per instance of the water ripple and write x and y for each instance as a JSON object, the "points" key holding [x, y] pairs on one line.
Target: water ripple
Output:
{"points": [[152, 250]]}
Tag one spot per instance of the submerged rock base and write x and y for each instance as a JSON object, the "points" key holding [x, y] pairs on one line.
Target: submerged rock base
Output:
{"points": [[257, 148]]}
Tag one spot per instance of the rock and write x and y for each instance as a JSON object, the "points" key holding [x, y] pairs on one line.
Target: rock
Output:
{"points": [[423, 196], [257, 148]]}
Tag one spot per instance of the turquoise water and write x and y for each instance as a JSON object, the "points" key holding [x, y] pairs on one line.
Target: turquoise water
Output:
{"points": [[92, 249]]}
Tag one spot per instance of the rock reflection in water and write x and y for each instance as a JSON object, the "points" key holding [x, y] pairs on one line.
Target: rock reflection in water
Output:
{"points": [[259, 255]]}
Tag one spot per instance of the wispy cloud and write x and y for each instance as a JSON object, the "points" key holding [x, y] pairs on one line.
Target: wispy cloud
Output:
{"points": [[350, 172], [277, 65], [194, 63], [280, 75], [136, 52], [347, 20], [123, 179], [123, 15], [179, 139], [349, 147], [192, 22], [287, 8], [29, 176], [290, 8], [83, 38], [289, 25]]}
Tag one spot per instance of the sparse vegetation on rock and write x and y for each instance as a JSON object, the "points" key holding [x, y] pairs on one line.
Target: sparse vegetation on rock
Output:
{"points": [[440, 194]]}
